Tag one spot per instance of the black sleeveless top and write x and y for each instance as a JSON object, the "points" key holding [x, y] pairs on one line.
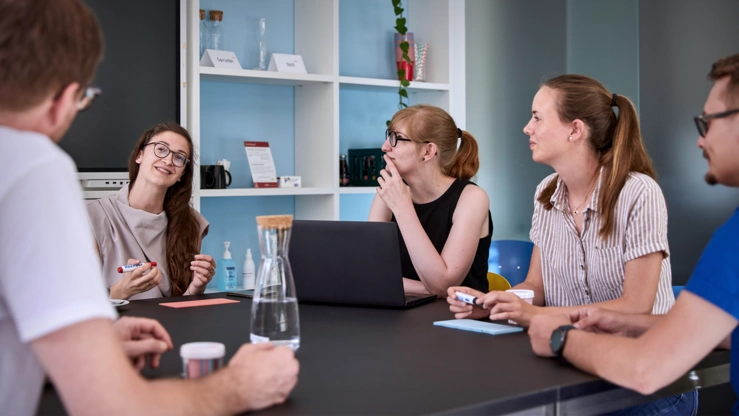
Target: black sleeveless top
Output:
{"points": [[436, 219]]}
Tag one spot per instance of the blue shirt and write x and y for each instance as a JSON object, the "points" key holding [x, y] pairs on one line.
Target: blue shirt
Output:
{"points": [[716, 279]]}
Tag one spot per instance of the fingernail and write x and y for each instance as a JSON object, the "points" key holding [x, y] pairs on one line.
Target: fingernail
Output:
{"points": [[162, 346]]}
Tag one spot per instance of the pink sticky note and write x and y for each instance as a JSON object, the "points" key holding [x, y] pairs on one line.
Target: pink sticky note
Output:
{"points": [[193, 303]]}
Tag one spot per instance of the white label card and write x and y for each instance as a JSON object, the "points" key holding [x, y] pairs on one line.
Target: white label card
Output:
{"points": [[282, 62], [220, 59]]}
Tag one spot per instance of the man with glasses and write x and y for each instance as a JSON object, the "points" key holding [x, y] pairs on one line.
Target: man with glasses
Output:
{"points": [[55, 316], [647, 352]]}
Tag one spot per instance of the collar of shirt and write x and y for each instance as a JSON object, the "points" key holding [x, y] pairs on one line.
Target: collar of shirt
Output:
{"points": [[559, 198]]}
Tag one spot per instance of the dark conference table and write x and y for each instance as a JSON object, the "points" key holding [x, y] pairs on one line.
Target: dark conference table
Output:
{"points": [[374, 361]]}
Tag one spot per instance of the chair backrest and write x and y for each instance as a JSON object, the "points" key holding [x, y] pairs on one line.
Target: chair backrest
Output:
{"points": [[510, 259], [497, 282]]}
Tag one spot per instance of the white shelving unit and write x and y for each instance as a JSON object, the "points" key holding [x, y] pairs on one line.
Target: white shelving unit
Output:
{"points": [[317, 114]]}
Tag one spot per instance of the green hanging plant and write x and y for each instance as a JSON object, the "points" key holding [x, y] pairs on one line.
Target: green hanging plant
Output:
{"points": [[401, 28]]}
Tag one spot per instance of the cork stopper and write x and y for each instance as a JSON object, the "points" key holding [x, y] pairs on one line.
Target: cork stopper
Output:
{"points": [[216, 15], [275, 221]]}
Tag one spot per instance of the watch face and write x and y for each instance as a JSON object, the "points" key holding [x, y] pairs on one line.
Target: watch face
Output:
{"points": [[557, 341]]}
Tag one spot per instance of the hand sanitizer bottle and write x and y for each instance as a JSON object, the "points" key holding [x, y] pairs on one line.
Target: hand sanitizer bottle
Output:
{"points": [[227, 270], [248, 273]]}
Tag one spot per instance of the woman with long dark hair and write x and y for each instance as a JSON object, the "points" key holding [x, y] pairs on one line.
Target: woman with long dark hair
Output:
{"points": [[151, 220]]}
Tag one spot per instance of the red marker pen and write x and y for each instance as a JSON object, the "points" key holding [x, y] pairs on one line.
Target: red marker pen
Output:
{"points": [[129, 267]]}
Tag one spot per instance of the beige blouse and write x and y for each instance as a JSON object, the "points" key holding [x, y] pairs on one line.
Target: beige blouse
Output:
{"points": [[123, 233]]}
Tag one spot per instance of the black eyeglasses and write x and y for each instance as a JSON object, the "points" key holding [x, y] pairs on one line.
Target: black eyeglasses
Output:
{"points": [[702, 121], [161, 150], [393, 138], [91, 92]]}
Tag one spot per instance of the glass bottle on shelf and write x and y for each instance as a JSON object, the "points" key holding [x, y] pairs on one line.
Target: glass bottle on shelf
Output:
{"points": [[343, 171], [262, 47], [216, 30], [274, 309], [203, 33]]}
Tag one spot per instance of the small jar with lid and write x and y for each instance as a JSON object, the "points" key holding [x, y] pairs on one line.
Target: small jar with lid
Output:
{"points": [[216, 30]]}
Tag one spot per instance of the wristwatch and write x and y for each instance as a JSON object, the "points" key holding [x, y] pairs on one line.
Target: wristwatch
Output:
{"points": [[558, 339]]}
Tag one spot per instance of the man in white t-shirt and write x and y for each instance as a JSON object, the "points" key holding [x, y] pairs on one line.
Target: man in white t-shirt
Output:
{"points": [[55, 317]]}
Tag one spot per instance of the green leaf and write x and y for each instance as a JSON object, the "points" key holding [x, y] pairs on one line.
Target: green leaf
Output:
{"points": [[387, 123], [403, 92], [398, 10], [396, 3], [404, 105], [404, 47], [401, 74], [404, 82]]}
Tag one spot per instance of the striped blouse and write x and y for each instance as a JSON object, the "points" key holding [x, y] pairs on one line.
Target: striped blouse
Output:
{"points": [[578, 270]]}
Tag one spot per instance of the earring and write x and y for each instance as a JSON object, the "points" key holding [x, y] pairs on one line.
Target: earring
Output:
{"points": [[570, 138]]}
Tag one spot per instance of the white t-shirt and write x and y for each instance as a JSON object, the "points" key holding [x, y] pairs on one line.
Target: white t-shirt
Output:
{"points": [[50, 276]]}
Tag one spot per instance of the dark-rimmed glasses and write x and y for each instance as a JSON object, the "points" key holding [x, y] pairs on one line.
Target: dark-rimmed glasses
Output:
{"points": [[91, 92], [702, 121], [393, 138], [161, 150]]}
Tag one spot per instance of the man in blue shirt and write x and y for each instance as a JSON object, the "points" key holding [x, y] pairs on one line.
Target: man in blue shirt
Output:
{"points": [[653, 351]]}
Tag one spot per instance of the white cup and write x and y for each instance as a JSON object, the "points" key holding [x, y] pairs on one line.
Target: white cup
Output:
{"points": [[525, 294]]}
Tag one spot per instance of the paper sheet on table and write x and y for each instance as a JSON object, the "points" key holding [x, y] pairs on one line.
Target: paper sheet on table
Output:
{"points": [[193, 303], [478, 326]]}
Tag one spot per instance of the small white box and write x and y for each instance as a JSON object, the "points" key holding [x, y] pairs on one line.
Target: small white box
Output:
{"points": [[288, 181]]}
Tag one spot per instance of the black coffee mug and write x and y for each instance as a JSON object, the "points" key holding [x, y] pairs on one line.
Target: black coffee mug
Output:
{"points": [[214, 177]]}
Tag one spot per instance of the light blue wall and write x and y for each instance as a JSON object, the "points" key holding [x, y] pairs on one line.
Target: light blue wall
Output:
{"points": [[603, 42], [680, 39], [657, 52], [511, 46]]}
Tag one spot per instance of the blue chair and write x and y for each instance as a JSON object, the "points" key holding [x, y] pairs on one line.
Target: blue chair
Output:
{"points": [[510, 259], [677, 289]]}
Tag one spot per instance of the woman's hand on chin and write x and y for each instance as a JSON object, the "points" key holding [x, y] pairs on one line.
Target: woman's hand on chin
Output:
{"points": [[393, 191]]}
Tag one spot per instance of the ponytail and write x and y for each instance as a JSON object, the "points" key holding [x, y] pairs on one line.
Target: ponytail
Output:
{"points": [[466, 161]]}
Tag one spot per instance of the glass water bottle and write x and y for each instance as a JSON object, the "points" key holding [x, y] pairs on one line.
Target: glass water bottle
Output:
{"points": [[216, 30], [262, 47], [274, 310]]}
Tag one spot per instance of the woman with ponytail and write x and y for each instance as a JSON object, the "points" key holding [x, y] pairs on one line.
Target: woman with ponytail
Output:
{"points": [[600, 222], [443, 219], [151, 220]]}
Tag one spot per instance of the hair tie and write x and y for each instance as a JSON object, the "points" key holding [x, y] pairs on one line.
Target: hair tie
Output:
{"points": [[613, 100], [459, 132]]}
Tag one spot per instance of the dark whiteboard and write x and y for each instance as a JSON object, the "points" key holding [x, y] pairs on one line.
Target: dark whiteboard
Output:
{"points": [[139, 76]]}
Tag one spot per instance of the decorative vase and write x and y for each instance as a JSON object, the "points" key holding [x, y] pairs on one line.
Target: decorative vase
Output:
{"points": [[400, 63]]}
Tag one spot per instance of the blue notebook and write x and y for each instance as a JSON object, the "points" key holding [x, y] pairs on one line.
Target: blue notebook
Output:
{"points": [[478, 326]]}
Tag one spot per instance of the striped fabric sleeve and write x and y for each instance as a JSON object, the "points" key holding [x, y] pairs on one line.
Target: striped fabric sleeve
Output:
{"points": [[646, 229]]}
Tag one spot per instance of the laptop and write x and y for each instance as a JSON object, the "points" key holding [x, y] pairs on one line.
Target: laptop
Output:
{"points": [[350, 263]]}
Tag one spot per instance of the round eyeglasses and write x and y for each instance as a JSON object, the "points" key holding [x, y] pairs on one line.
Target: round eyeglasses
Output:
{"points": [[161, 150], [393, 138]]}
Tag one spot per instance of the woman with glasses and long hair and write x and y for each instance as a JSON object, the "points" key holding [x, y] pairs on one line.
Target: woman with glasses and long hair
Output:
{"points": [[151, 221], [443, 219]]}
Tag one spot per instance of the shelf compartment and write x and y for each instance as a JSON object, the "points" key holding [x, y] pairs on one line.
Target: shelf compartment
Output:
{"points": [[262, 77], [212, 193], [391, 83]]}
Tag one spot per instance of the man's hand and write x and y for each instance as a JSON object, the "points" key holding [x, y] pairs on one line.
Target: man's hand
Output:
{"points": [[594, 319], [142, 337], [540, 332], [266, 373]]}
